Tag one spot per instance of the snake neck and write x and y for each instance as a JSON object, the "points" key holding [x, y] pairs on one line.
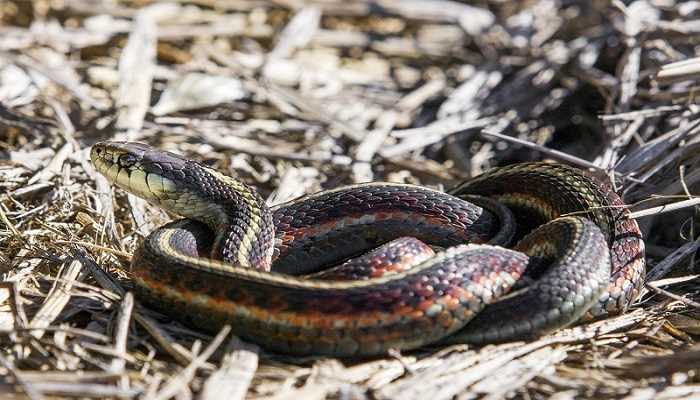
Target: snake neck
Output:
{"points": [[241, 220], [234, 211], [245, 238]]}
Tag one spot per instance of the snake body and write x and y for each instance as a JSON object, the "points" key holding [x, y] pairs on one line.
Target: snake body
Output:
{"points": [[234, 261]]}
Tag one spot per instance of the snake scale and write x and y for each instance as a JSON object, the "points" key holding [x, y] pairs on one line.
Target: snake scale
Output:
{"points": [[264, 271]]}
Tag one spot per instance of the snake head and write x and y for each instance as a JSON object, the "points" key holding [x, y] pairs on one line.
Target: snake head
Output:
{"points": [[162, 178], [173, 182], [140, 169], [193, 190]]}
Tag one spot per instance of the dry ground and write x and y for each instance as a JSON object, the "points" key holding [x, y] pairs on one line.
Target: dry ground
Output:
{"points": [[297, 96]]}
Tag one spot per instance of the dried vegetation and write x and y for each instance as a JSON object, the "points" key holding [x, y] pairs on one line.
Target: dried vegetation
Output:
{"points": [[295, 97]]}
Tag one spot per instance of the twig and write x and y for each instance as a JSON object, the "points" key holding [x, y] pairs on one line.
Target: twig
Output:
{"points": [[232, 380], [120, 336], [182, 379], [549, 152], [664, 208], [29, 389], [688, 302], [665, 266], [58, 297]]}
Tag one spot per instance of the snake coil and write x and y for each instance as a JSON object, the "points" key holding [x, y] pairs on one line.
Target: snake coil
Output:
{"points": [[235, 261]]}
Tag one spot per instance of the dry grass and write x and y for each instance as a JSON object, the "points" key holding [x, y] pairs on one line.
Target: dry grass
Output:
{"points": [[295, 97]]}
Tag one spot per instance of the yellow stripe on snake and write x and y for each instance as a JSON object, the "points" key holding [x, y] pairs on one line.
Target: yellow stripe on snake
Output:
{"points": [[235, 261]]}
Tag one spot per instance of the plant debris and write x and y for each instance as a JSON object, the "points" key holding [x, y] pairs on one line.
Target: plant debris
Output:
{"points": [[299, 96]]}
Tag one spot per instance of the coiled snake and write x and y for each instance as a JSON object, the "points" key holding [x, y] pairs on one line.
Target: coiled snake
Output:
{"points": [[584, 257]]}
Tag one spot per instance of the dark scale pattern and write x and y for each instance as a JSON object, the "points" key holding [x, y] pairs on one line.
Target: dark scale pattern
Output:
{"points": [[540, 192], [405, 310], [564, 292], [328, 227], [240, 206], [396, 256], [628, 260], [570, 263]]}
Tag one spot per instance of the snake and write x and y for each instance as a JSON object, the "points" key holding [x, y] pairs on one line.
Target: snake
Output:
{"points": [[512, 254]]}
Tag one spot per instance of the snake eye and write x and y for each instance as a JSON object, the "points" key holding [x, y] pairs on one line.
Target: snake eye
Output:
{"points": [[127, 160]]}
